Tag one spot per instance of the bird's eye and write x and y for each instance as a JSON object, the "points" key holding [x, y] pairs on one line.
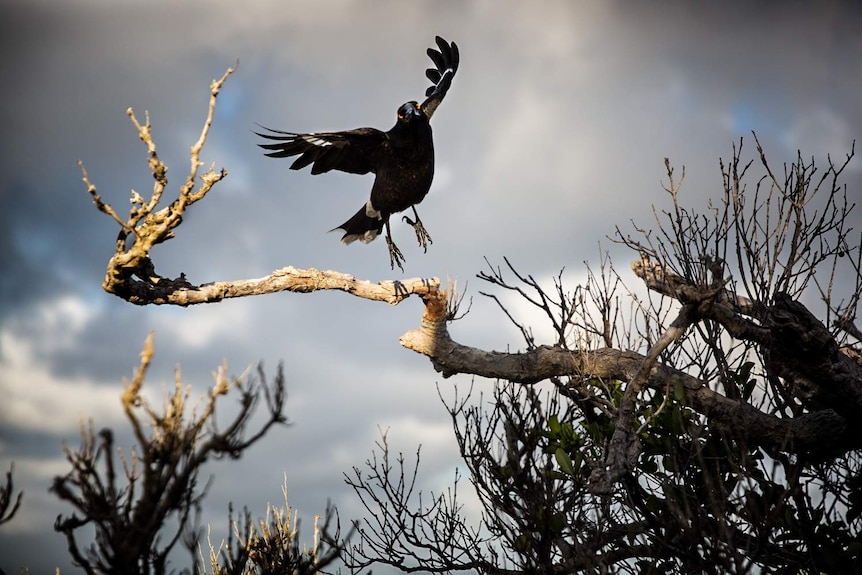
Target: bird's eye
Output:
{"points": [[405, 111]]}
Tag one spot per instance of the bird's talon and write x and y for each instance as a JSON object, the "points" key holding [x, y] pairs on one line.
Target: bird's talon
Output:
{"points": [[395, 255], [422, 235]]}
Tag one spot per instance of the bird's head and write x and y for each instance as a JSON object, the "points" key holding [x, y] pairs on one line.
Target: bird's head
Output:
{"points": [[409, 111]]}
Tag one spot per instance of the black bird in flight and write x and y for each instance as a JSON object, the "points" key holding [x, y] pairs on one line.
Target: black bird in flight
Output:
{"points": [[402, 159]]}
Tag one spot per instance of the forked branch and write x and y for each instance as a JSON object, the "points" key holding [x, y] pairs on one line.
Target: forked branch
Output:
{"points": [[130, 272], [131, 499]]}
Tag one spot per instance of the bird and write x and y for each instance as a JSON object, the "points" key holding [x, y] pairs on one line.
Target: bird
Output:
{"points": [[402, 158]]}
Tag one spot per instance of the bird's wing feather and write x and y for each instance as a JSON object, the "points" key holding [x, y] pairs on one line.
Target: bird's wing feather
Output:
{"points": [[446, 60], [352, 151]]}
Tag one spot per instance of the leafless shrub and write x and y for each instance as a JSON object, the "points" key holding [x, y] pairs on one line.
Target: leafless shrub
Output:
{"points": [[131, 499]]}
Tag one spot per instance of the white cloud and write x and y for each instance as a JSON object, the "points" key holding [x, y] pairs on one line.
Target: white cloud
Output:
{"points": [[197, 327], [37, 399]]}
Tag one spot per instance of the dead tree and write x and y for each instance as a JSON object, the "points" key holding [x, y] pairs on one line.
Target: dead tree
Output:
{"points": [[696, 421], [140, 502], [711, 426]]}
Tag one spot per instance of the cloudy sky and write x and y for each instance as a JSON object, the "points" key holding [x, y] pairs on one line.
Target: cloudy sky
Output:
{"points": [[555, 130]]}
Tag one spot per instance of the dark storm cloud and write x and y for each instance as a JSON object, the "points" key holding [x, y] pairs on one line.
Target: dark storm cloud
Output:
{"points": [[555, 130], [31, 444], [22, 280]]}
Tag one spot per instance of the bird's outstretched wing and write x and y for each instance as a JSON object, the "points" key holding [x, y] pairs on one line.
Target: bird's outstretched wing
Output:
{"points": [[446, 61], [353, 151]]}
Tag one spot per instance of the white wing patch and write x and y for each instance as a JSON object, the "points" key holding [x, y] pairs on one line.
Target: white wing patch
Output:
{"points": [[371, 212], [312, 139], [365, 238], [368, 236]]}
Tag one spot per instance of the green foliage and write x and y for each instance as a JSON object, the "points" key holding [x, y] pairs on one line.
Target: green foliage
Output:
{"points": [[696, 489], [565, 444]]}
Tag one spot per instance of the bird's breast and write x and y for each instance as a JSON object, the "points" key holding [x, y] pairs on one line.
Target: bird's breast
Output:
{"points": [[402, 182]]}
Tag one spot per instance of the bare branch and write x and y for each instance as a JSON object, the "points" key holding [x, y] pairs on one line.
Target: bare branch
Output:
{"points": [[180, 292], [6, 490], [149, 227], [129, 511]]}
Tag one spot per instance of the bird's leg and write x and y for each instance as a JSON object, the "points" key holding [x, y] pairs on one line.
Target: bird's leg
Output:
{"points": [[422, 235], [395, 255]]}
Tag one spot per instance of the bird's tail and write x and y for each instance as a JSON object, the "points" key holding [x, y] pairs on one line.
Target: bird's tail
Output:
{"points": [[361, 227]]}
